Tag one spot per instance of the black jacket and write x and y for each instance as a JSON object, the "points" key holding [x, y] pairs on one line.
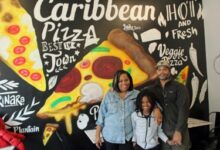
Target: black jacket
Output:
{"points": [[174, 100]]}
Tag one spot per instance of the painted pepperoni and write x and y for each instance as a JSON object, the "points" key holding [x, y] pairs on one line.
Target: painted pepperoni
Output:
{"points": [[13, 29], [127, 62], [24, 40], [85, 64], [106, 66], [24, 72], [19, 49], [19, 61], [36, 76], [49, 129], [7, 17], [88, 77], [69, 82]]}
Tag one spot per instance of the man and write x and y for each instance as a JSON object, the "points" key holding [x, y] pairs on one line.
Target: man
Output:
{"points": [[174, 101]]}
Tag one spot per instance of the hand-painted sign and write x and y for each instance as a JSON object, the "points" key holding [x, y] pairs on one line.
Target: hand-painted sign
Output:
{"points": [[58, 58]]}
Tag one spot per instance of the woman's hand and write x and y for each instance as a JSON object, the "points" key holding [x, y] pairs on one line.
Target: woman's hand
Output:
{"points": [[98, 141], [158, 115]]}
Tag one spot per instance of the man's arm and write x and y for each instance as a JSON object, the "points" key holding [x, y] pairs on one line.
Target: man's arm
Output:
{"points": [[183, 112], [183, 107]]}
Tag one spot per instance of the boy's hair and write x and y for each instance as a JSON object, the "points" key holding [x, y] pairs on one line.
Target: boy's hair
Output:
{"points": [[151, 98], [117, 78]]}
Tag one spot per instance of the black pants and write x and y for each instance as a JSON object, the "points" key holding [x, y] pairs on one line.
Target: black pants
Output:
{"points": [[112, 146], [137, 147]]}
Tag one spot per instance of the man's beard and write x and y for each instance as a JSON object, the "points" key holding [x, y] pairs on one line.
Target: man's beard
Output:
{"points": [[164, 78]]}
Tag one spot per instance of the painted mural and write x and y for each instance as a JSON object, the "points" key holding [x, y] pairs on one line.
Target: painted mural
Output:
{"points": [[58, 58]]}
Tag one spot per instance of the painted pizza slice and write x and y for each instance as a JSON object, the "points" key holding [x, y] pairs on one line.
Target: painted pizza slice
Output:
{"points": [[18, 44], [183, 75], [48, 132], [89, 80]]}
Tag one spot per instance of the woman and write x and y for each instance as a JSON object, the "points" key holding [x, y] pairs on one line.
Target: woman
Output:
{"points": [[114, 120]]}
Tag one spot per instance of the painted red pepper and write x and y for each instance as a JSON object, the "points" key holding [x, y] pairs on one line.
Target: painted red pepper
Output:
{"points": [[8, 138]]}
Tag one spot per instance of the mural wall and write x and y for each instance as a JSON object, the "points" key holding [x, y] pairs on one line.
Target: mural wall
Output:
{"points": [[57, 60]]}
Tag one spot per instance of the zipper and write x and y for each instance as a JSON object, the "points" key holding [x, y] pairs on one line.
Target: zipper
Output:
{"points": [[164, 93], [146, 133]]}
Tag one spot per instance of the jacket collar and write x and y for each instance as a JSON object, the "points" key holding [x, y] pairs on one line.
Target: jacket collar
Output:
{"points": [[127, 94]]}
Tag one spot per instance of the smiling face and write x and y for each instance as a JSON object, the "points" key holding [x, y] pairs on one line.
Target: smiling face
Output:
{"points": [[146, 105], [124, 83], [163, 72]]}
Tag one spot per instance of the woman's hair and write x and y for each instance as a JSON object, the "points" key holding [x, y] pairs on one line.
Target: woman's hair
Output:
{"points": [[117, 78], [150, 97]]}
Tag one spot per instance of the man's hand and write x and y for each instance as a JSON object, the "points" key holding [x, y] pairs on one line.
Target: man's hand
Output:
{"points": [[177, 138], [158, 115]]}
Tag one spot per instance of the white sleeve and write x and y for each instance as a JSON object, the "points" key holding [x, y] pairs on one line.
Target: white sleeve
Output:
{"points": [[133, 120], [161, 134]]}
